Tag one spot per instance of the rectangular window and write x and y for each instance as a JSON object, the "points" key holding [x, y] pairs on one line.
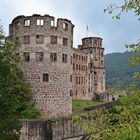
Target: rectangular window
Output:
{"points": [[40, 22], [53, 39], [79, 80], [76, 80], [52, 23], [65, 26], [27, 22], [76, 92], [39, 56], [53, 57], [71, 92], [26, 39], [26, 57], [73, 66], [45, 77], [71, 60], [65, 41], [102, 54], [82, 58], [74, 56], [76, 66], [82, 80], [102, 62], [39, 39], [79, 67], [70, 78], [64, 58]]}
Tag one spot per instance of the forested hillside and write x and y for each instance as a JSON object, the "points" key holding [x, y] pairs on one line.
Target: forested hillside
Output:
{"points": [[118, 70]]}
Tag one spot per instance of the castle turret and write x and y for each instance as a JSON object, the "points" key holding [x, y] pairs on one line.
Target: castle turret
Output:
{"points": [[46, 51], [92, 46]]}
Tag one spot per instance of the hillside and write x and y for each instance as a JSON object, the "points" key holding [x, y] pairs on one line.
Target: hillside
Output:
{"points": [[118, 71]]}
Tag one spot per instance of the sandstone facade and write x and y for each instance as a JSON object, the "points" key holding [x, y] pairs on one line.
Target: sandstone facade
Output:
{"points": [[57, 71]]}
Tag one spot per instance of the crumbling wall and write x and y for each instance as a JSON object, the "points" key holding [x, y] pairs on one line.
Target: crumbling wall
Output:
{"points": [[59, 129]]}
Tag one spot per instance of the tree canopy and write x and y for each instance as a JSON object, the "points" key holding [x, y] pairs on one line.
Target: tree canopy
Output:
{"points": [[15, 94]]}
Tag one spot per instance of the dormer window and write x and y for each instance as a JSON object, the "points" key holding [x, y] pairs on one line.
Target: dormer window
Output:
{"points": [[27, 22], [40, 22]]}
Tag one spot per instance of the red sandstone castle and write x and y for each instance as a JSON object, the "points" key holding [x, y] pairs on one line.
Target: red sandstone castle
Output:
{"points": [[58, 72]]}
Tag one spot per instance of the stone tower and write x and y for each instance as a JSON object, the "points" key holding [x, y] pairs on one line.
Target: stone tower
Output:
{"points": [[46, 51], [92, 46]]}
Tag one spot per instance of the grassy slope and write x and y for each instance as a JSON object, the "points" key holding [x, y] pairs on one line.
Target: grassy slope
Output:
{"points": [[78, 105]]}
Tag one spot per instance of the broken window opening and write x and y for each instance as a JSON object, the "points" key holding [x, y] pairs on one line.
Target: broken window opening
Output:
{"points": [[40, 22], [26, 22], [39, 56], [53, 57], [26, 56]]}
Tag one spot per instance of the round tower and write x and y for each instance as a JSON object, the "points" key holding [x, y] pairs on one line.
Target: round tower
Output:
{"points": [[46, 51], [93, 47]]}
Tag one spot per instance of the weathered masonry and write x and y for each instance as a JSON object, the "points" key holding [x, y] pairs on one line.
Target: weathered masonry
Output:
{"points": [[57, 71], [88, 70]]}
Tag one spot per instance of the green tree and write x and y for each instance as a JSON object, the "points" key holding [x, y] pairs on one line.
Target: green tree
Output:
{"points": [[15, 94], [122, 122]]}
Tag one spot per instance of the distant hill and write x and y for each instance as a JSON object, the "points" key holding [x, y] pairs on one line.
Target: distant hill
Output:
{"points": [[118, 71]]}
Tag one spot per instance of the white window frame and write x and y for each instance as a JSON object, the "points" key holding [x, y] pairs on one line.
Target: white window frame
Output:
{"points": [[27, 22], [40, 22]]}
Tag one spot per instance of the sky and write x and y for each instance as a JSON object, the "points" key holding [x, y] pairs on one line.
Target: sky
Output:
{"points": [[82, 13]]}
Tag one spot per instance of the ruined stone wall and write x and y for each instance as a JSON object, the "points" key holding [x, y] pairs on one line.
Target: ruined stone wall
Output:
{"points": [[80, 76], [46, 51], [60, 129], [56, 129], [54, 68]]}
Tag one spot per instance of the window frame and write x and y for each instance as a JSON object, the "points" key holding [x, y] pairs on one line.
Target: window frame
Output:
{"points": [[45, 77], [53, 57], [65, 26], [40, 22], [39, 39], [53, 40], [26, 39], [26, 57], [64, 58], [39, 56], [65, 42], [27, 22]]}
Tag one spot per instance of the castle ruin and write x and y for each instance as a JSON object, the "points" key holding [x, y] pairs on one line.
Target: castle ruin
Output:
{"points": [[56, 70]]}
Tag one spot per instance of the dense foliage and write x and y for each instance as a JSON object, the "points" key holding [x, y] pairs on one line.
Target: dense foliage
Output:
{"points": [[15, 94], [122, 122], [118, 70]]}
